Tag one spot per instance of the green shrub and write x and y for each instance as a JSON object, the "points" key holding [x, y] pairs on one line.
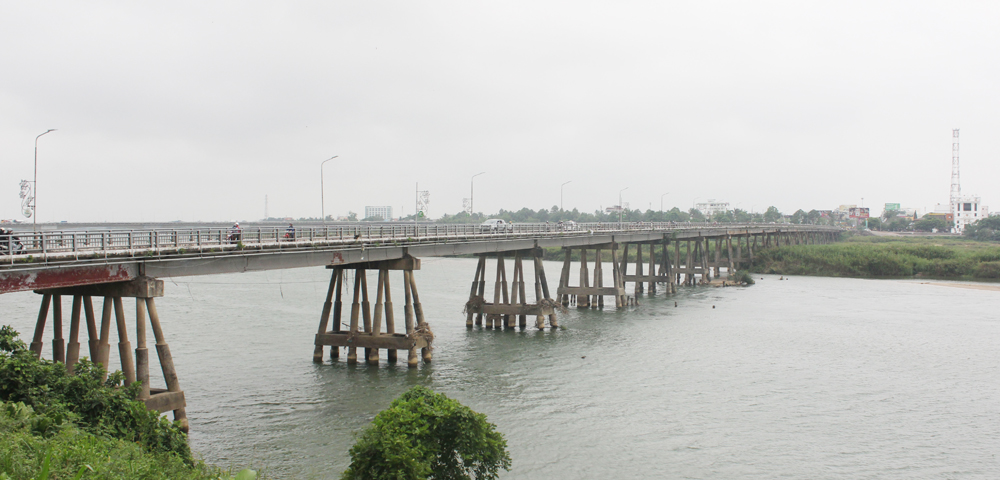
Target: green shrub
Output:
{"points": [[103, 408], [743, 277], [70, 452], [428, 435], [987, 270]]}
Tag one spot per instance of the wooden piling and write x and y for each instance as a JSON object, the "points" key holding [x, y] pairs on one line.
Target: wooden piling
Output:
{"points": [[480, 266], [94, 342], [729, 247], [352, 350], [522, 321], [411, 359], [366, 310], [638, 287], [583, 301], [58, 343], [43, 313], [141, 353], [124, 347], [105, 340], [73, 349], [564, 277], [418, 312], [324, 318], [338, 305], [390, 320], [373, 357]]}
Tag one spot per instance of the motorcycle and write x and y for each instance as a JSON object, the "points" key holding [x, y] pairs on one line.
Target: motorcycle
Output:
{"points": [[10, 243]]}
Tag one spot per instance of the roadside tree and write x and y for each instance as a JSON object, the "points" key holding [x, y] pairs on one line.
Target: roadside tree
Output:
{"points": [[772, 214]]}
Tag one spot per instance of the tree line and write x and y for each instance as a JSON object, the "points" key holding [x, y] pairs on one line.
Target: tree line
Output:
{"points": [[555, 215]]}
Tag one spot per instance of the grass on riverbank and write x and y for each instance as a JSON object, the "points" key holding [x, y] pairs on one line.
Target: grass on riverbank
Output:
{"points": [[872, 257]]}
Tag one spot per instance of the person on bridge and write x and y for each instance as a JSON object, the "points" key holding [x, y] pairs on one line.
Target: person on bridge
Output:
{"points": [[235, 233], [290, 232]]}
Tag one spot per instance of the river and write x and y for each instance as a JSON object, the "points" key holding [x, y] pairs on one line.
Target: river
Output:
{"points": [[801, 378]]}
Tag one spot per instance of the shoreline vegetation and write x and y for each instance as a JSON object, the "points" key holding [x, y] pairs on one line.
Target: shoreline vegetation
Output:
{"points": [[951, 258], [56, 424]]}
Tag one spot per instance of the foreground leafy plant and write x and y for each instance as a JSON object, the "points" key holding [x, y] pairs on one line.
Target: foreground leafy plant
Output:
{"points": [[97, 406], [428, 435]]}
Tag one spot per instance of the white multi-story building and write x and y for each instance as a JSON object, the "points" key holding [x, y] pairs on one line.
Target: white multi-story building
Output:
{"points": [[968, 210], [711, 207], [385, 213]]}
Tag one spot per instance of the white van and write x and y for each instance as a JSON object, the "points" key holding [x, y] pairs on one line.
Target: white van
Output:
{"points": [[494, 225]]}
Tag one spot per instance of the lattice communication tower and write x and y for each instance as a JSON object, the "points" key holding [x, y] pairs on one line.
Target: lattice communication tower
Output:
{"points": [[956, 187]]}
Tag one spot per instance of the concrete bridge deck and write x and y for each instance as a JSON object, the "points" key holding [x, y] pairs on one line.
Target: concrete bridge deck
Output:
{"points": [[71, 258]]}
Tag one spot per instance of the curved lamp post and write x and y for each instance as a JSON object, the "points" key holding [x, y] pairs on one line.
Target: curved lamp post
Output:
{"points": [[322, 198], [561, 194], [472, 194], [661, 201], [34, 184]]}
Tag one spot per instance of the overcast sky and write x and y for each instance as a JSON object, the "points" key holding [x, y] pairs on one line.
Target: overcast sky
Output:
{"points": [[197, 110]]}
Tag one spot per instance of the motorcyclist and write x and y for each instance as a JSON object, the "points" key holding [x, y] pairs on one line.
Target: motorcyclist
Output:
{"points": [[235, 233]]}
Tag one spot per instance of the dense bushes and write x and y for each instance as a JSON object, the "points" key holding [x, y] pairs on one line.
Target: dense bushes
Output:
{"points": [[881, 257], [80, 422]]}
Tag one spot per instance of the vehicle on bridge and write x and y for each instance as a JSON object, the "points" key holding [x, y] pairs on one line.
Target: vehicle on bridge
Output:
{"points": [[9, 243], [496, 225], [567, 226]]}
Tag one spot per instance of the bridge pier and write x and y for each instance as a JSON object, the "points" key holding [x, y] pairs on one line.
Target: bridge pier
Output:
{"points": [[652, 278], [144, 290], [510, 306], [365, 329], [582, 294]]}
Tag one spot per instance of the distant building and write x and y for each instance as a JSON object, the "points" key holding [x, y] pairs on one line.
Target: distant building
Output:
{"points": [[712, 207], [942, 212], [846, 209], [385, 213], [968, 210]]}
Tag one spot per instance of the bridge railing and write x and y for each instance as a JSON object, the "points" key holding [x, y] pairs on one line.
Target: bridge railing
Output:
{"points": [[200, 239]]}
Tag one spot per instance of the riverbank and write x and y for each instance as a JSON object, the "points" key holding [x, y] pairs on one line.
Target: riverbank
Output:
{"points": [[880, 257]]}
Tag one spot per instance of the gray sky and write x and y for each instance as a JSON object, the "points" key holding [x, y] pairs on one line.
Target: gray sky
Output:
{"points": [[197, 110]]}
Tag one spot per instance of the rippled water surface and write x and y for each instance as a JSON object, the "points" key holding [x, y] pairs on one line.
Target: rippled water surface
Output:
{"points": [[803, 378]]}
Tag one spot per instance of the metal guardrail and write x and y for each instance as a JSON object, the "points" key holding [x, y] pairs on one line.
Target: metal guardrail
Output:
{"points": [[40, 245]]}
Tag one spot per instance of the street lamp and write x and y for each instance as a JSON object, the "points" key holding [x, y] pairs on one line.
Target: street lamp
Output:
{"points": [[322, 190], [34, 184], [620, 206], [472, 193], [661, 201], [561, 194]]}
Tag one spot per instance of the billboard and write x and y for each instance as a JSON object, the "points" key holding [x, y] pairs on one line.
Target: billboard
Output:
{"points": [[892, 206], [856, 212]]}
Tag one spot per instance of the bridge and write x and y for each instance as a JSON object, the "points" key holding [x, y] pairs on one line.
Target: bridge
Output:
{"points": [[117, 264]]}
